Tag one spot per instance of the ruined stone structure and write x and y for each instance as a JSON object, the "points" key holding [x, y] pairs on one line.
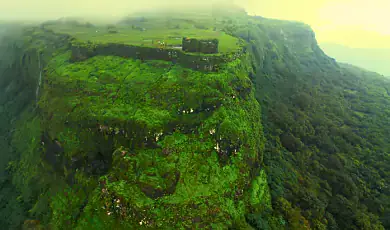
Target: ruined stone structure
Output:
{"points": [[197, 62], [202, 46]]}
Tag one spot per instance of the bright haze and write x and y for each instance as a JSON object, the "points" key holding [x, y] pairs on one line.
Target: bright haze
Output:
{"points": [[353, 24], [104, 9], [352, 31]]}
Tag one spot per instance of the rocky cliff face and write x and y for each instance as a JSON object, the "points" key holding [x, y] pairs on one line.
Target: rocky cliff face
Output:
{"points": [[115, 143], [100, 140], [21, 63], [318, 116], [17, 92]]}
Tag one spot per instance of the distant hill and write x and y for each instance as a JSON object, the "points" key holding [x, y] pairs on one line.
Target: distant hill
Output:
{"points": [[377, 60]]}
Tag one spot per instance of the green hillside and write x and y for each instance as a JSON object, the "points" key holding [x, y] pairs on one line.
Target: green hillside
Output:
{"points": [[279, 136], [121, 143], [327, 148]]}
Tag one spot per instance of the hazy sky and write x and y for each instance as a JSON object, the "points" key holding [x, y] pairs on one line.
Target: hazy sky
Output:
{"points": [[355, 23]]}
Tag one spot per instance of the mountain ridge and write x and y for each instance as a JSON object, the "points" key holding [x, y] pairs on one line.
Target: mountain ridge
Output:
{"points": [[294, 140]]}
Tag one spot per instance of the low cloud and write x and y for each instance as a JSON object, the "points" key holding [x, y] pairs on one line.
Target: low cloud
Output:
{"points": [[53, 9]]}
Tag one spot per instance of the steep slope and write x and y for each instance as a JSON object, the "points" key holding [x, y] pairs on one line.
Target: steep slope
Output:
{"points": [[19, 73], [117, 143], [105, 141], [327, 149]]}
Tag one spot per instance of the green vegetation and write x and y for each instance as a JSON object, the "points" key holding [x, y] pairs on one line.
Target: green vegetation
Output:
{"points": [[148, 33], [120, 143], [165, 161], [327, 149], [13, 210]]}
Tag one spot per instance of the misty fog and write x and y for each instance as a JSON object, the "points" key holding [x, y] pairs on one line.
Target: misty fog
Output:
{"points": [[39, 10]]}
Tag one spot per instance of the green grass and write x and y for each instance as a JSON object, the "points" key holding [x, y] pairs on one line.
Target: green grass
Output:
{"points": [[118, 91], [201, 186], [127, 35]]}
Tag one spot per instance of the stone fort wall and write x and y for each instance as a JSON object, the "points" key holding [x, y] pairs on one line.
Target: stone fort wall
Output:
{"points": [[199, 62], [209, 46]]}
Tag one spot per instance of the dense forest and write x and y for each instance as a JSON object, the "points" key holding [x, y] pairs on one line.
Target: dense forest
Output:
{"points": [[15, 95], [280, 137], [327, 149]]}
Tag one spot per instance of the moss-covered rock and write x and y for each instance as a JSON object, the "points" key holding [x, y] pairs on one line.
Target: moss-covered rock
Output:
{"points": [[197, 61], [202, 46], [183, 137], [121, 143]]}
